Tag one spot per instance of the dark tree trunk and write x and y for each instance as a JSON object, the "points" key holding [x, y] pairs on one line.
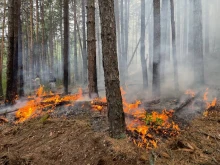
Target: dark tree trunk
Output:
{"points": [[38, 53], [85, 65], [20, 57], [91, 48], [31, 34], [110, 64], [10, 93], [61, 38], [15, 54], [66, 46], [2, 51], [175, 66], [156, 47], [76, 74], [198, 43], [118, 32], [142, 42], [43, 47]]}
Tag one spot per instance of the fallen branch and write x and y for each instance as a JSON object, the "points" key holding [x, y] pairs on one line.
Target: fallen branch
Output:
{"points": [[100, 103], [185, 103], [147, 103], [206, 134], [3, 120]]}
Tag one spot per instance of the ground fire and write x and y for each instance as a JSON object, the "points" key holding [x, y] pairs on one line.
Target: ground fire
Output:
{"points": [[146, 129]]}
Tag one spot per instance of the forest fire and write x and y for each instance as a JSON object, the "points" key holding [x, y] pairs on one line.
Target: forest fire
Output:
{"points": [[145, 128], [39, 104]]}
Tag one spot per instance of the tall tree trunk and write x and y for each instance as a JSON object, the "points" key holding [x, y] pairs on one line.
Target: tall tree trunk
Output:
{"points": [[118, 32], [198, 43], [98, 36], [31, 41], [156, 47], [178, 29], [15, 54], [151, 39], [164, 36], [20, 57], [126, 37], [76, 75], [91, 48], [207, 40], [51, 44], [10, 94], [66, 46], [190, 54], [122, 75], [85, 65], [61, 38], [110, 64], [37, 39], [2, 51], [175, 66], [143, 61], [43, 47], [185, 24]]}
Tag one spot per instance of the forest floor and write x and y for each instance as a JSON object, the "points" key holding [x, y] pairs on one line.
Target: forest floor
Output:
{"points": [[82, 139]]}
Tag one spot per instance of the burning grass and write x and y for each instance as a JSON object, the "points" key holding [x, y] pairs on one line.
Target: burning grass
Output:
{"points": [[37, 106], [146, 129]]}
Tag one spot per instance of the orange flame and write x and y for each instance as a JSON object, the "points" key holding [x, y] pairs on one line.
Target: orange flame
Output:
{"points": [[190, 92], [34, 107], [205, 98]]}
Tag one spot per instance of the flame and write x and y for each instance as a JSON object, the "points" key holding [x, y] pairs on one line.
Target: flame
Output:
{"points": [[208, 104], [143, 124], [146, 126], [205, 98], [35, 107], [190, 92]]}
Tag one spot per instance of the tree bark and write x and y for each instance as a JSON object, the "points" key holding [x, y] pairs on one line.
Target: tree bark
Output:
{"points": [[110, 64], [66, 46], [43, 47], [2, 50], [156, 49], [198, 43], [142, 42], [175, 65], [20, 57], [10, 94], [85, 64], [38, 53], [76, 75], [31, 41], [91, 48]]}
